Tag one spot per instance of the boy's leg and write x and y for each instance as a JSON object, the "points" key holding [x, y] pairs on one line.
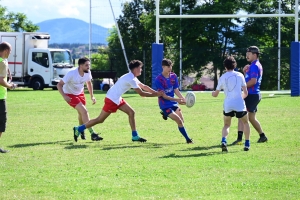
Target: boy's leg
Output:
{"points": [[3, 119], [174, 116], [246, 126], [255, 123], [100, 119], [126, 108]]}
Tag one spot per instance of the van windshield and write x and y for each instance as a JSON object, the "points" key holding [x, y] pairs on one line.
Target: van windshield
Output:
{"points": [[61, 59]]}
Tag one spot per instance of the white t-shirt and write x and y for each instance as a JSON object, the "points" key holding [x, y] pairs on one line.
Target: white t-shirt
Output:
{"points": [[74, 83], [124, 83], [231, 82]]}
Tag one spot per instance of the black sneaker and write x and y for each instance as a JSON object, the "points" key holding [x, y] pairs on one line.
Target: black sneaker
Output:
{"points": [[76, 133], [3, 151], [224, 147], [96, 137], [82, 135], [246, 148], [238, 141], [138, 139], [190, 141], [262, 139], [163, 116]]}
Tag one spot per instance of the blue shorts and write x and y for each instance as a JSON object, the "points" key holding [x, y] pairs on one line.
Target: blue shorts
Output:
{"points": [[170, 110], [251, 101]]}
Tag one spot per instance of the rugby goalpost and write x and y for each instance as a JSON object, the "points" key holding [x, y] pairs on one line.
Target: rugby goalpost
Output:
{"points": [[157, 49]]}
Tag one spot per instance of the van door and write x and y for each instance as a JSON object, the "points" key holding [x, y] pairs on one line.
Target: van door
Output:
{"points": [[39, 66]]}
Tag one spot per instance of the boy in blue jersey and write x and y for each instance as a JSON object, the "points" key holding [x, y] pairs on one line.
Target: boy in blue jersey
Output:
{"points": [[168, 83], [253, 76]]}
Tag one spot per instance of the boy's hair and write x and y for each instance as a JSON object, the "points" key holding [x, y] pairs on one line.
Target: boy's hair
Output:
{"points": [[254, 50], [166, 62], [134, 64], [4, 46], [82, 60], [229, 63]]}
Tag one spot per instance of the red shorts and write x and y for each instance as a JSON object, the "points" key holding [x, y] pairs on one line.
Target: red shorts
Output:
{"points": [[76, 99], [110, 106]]}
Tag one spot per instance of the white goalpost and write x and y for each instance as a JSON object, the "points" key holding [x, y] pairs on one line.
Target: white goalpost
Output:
{"points": [[295, 15]]}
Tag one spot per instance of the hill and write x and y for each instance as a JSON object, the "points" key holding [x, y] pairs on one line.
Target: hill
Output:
{"points": [[71, 30]]}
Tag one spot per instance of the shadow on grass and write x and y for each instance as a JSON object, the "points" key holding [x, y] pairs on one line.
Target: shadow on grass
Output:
{"points": [[39, 143], [140, 145], [173, 155], [77, 146], [202, 148]]}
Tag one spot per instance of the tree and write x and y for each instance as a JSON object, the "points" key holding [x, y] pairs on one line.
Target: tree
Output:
{"points": [[15, 22]]}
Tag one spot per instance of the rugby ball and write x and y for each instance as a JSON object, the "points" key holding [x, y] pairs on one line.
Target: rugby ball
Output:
{"points": [[190, 99]]}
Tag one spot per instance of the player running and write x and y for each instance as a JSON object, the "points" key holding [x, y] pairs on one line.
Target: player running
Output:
{"points": [[71, 87], [168, 83], [232, 82], [114, 100]]}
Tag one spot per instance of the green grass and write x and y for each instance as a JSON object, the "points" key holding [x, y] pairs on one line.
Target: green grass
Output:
{"points": [[45, 163]]}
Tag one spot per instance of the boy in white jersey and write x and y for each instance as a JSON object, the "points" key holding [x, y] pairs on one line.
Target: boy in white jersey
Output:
{"points": [[232, 82], [71, 87], [114, 100]]}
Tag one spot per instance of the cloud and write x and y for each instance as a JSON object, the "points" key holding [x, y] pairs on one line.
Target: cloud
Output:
{"points": [[41, 10]]}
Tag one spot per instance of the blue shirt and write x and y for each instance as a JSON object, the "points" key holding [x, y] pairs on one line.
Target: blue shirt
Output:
{"points": [[168, 85], [255, 71]]}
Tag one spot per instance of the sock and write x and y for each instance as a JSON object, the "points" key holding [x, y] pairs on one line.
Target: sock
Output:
{"points": [[81, 128], [184, 133], [224, 140], [134, 133], [262, 135], [240, 135], [247, 143], [91, 130]]}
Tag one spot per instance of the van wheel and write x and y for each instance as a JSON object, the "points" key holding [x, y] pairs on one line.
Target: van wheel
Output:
{"points": [[37, 84], [105, 87]]}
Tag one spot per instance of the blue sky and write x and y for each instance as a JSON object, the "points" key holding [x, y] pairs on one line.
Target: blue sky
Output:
{"points": [[41, 10]]}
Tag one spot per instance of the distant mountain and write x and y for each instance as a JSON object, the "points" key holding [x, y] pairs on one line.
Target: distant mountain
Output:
{"points": [[70, 30]]}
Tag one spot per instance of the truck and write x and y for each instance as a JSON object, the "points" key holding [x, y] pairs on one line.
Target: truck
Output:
{"points": [[32, 64]]}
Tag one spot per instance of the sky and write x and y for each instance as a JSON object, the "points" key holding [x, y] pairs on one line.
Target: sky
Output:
{"points": [[41, 10]]}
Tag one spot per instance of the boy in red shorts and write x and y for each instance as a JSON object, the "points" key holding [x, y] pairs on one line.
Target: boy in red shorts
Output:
{"points": [[71, 87], [114, 100]]}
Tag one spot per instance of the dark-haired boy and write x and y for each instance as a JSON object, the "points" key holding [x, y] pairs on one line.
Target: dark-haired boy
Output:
{"points": [[253, 76], [232, 82], [71, 87], [167, 82], [114, 101]]}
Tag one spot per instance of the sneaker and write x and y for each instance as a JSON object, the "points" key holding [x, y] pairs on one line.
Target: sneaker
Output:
{"points": [[190, 141], [82, 135], [238, 141], [96, 137], [3, 151], [262, 139], [163, 116], [76, 133], [224, 147], [246, 148], [138, 139]]}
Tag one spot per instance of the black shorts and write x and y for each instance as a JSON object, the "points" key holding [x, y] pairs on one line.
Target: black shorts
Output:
{"points": [[2, 115], [234, 113], [251, 101]]}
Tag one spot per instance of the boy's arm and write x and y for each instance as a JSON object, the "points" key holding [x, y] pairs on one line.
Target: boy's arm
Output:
{"points": [[148, 94], [91, 91], [215, 93], [146, 88]]}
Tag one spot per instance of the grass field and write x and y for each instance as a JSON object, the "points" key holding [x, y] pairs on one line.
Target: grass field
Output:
{"points": [[45, 163]]}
